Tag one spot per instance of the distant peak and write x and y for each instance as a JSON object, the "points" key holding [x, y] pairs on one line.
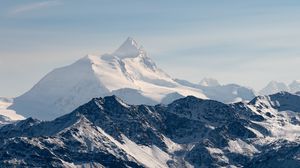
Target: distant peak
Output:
{"points": [[129, 49], [131, 41], [280, 85], [274, 87]]}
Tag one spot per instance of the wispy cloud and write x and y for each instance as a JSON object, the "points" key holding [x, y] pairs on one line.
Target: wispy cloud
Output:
{"points": [[33, 6]]}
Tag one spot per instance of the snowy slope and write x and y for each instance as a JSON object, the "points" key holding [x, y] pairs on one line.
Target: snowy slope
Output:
{"points": [[8, 115], [127, 70]]}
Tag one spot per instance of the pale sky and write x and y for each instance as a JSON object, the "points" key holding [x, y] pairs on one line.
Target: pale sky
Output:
{"points": [[244, 42]]}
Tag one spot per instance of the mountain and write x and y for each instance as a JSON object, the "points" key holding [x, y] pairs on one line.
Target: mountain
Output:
{"points": [[274, 87], [228, 93], [295, 86], [189, 132], [7, 116], [128, 73]]}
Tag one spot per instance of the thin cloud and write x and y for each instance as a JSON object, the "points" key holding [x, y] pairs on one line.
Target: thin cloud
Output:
{"points": [[33, 6]]}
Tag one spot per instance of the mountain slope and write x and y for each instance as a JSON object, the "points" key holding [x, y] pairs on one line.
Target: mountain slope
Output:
{"points": [[128, 73]]}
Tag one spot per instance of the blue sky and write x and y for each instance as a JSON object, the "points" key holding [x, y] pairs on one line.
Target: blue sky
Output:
{"points": [[245, 42]]}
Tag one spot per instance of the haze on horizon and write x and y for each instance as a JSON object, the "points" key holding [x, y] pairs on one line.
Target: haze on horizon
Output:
{"points": [[249, 43]]}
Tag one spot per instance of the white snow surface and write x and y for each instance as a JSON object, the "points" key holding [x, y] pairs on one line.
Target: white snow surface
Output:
{"points": [[148, 156]]}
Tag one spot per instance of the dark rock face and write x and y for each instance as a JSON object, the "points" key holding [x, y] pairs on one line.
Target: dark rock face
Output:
{"points": [[209, 133]]}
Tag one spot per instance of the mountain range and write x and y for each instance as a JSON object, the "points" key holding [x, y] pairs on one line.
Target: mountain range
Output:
{"points": [[128, 73], [275, 87], [189, 132]]}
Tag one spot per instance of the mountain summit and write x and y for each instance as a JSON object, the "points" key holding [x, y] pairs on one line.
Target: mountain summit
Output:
{"points": [[274, 87], [129, 49]]}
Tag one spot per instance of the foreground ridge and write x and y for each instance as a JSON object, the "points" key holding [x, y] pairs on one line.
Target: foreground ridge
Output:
{"points": [[189, 132]]}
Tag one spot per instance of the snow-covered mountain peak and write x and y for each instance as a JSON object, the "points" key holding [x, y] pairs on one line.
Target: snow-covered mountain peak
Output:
{"points": [[275, 83], [274, 87], [129, 49], [128, 73], [209, 82], [295, 86]]}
